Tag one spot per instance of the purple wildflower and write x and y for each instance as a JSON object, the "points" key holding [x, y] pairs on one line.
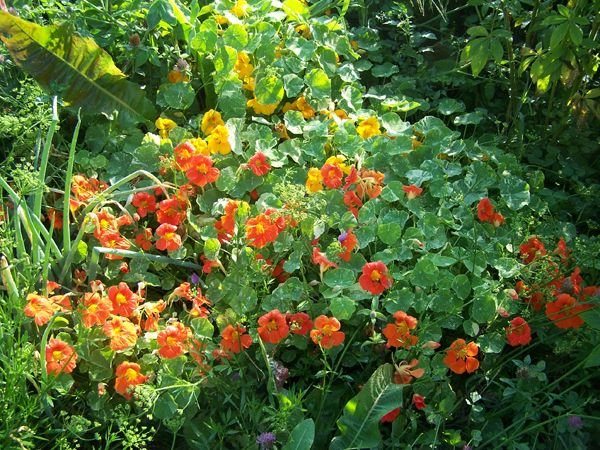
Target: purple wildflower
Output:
{"points": [[575, 422], [266, 440], [342, 237], [195, 278]]}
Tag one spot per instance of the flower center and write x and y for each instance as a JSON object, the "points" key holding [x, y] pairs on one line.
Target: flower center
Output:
{"points": [[375, 275], [131, 375], [57, 355], [120, 298]]}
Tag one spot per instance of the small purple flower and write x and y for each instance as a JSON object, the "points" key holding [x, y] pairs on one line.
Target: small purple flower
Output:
{"points": [[195, 278], [235, 376], [280, 373], [342, 237], [266, 440], [575, 422], [467, 447]]}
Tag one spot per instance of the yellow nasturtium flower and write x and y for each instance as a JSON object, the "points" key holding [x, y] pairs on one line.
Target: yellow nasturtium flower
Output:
{"points": [[314, 181], [164, 126], [243, 67], [201, 146], [218, 141], [240, 9], [339, 160], [259, 108], [368, 128], [210, 121], [300, 104]]}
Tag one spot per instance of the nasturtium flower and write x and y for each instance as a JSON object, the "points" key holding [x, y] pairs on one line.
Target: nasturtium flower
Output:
{"points": [[352, 202], [60, 357], [375, 278], [259, 108], [368, 182], [320, 258], [55, 218], [124, 301], [460, 357], [168, 238], [261, 230], [301, 105], [349, 243], [243, 67], [173, 340], [326, 332], [562, 250], [122, 333], [368, 128], [234, 339], [105, 223], [314, 181], [128, 374], [240, 9], [171, 210], [565, 310], [177, 76], [218, 141], [164, 126], [497, 219], [273, 327], [391, 416], [531, 250], [518, 332], [144, 203], [211, 120], [299, 323], [202, 171], [183, 155], [85, 189], [225, 226], [151, 314], [259, 164], [412, 191], [96, 309], [485, 210], [144, 239], [418, 401], [398, 333], [406, 371], [40, 308], [332, 176]]}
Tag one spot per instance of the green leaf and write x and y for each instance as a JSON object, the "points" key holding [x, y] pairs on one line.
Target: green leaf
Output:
{"points": [[176, 95], [160, 10], [461, 286], [477, 31], [88, 78], [389, 233], [165, 407], [425, 274], [483, 309], [506, 267], [492, 342], [202, 327], [575, 34], [477, 53], [205, 39], [342, 307], [339, 278], [558, 35], [302, 436], [319, 83], [236, 36], [359, 424], [515, 192], [385, 70], [450, 106], [593, 359], [212, 247], [292, 84], [269, 89], [226, 180]]}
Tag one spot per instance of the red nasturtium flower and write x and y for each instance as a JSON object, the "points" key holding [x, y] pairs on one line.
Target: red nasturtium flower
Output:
{"points": [[412, 191], [418, 401], [352, 202], [485, 210], [173, 340], [234, 338], [60, 357], [116, 241], [202, 171], [326, 332], [332, 176], [391, 416], [320, 258], [169, 239], [564, 311], [56, 217], [349, 243], [261, 230], [128, 375], [144, 202], [259, 164], [273, 327], [369, 182], [518, 332], [375, 278], [460, 357], [40, 308], [144, 239], [122, 333], [225, 226], [398, 333], [531, 249], [184, 153], [406, 372], [124, 301], [299, 323], [96, 309], [171, 210]]}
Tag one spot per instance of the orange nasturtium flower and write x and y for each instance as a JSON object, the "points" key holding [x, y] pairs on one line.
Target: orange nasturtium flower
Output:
{"points": [[128, 375], [412, 191], [184, 153], [211, 120], [259, 164], [60, 357], [144, 202], [259, 108], [96, 309], [398, 333], [144, 239], [349, 242], [518, 332], [375, 278], [299, 323], [171, 210], [405, 372], [40, 308], [122, 333], [124, 301], [564, 311], [531, 249], [460, 357], [326, 332], [485, 210], [173, 340], [332, 176], [261, 230], [234, 338], [202, 171], [168, 237], [320, 258], [273, 327]]}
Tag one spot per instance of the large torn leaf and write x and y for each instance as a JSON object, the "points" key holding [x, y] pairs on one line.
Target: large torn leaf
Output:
{"points": [[75, 67], [359, 424]]}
